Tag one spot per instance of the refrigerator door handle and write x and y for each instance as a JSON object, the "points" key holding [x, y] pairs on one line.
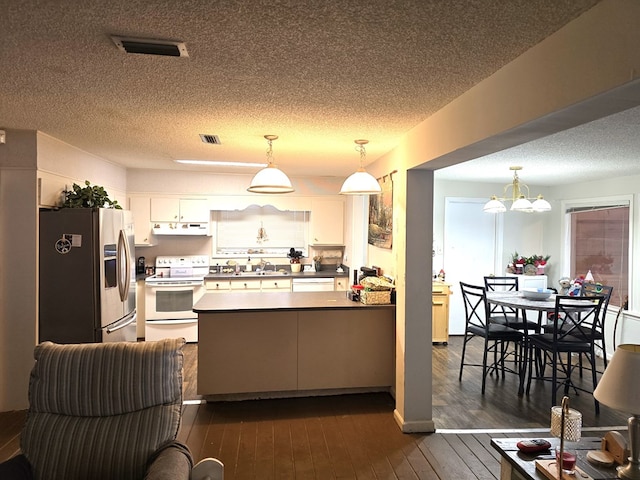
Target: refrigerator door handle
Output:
{"points": [[124, 281], [125, 322]]}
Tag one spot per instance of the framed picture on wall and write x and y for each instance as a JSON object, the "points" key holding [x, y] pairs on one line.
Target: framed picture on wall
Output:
{"points": [[381, 215]]}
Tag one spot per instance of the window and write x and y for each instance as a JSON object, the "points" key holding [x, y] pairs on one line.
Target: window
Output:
{"points": [[600, 243], [260, 230]]}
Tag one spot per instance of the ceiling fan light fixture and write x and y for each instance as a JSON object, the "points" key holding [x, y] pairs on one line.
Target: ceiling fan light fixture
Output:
{"points": [[270, 179], [360, 182]]}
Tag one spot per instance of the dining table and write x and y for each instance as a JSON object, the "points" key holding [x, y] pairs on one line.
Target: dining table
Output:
{"points": [[516, 300]]}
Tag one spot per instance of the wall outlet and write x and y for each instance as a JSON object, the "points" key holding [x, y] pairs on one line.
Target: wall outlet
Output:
{"points": [[3, 137]]}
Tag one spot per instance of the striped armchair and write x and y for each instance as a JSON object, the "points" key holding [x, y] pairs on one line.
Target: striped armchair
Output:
{"points": [[108, 411]]}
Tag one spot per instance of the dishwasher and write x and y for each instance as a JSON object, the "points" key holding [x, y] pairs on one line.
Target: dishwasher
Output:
{"points": [[312, 285]]}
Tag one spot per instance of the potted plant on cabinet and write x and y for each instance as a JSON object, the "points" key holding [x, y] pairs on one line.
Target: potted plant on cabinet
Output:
{"points": [[88, 197], [295, 256]]}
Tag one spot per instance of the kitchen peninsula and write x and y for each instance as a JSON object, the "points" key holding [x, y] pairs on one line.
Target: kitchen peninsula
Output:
{"points": [[261, 345]]}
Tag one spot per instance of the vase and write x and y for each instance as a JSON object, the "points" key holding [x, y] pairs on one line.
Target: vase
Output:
{"points": [[318, 266], [295, 267]]}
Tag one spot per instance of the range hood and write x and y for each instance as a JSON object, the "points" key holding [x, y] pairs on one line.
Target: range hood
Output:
{"points": [[161, 228]]}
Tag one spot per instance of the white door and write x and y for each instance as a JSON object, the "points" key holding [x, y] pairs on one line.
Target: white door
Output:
{"points": [[472, 243]]}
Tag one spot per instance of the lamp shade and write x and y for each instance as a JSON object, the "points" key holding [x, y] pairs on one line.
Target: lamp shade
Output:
{"points": [[619, 387], [360, 183], [494, 206], [270, 180], [522, 205], [541, 205]]}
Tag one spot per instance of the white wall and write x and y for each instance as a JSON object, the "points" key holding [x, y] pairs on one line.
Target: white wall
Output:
{"points": [[21, 187], [61, 165]]}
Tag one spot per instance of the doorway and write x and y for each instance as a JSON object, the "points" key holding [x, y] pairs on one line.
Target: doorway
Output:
{"points": [[472, 243]]}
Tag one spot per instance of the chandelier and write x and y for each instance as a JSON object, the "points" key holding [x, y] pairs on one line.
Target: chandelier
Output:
{"points": [[270, 179], [520, 202], [360, 182]]}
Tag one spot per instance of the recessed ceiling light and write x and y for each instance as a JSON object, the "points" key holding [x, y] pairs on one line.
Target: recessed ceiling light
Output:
{"points": [[217, 163]]}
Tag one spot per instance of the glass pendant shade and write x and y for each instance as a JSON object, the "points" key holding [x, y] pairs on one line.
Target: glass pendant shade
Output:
{"points": [[494, 206], [360, 183], [270, 180], [522, 205], [541, 205]]}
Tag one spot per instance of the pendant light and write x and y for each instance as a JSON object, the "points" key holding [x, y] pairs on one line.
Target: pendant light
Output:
{"points": [[270, 179], [360, 182], [520, 202]]}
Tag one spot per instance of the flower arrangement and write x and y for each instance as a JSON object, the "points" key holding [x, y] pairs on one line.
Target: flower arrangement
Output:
{"points": [[519, 263]]}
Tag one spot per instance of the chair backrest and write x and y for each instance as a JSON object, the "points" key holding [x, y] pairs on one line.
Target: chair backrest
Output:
{"points": [[590, 289], [502, 284], [579, 318], [100, 410], [476, 307]]}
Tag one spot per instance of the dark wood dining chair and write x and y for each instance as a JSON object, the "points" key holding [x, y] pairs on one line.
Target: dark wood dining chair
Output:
{"points": [[510, 317], [597, 334], [574, 323], [590, 289], [496, 337]]}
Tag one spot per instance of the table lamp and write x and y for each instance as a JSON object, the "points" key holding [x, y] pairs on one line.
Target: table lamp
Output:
{"points": [[619, 389], [566, 424]]}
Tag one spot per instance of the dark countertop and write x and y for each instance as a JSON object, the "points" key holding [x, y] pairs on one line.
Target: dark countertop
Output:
{"points": [[269, 302], [256, 275]]}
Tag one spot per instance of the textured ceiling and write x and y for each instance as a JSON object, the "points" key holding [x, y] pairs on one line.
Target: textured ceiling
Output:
{"points": [[317, 73]]}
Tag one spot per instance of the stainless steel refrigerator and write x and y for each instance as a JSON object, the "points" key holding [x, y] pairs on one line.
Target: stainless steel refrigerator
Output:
{"points": [[87, 276]]}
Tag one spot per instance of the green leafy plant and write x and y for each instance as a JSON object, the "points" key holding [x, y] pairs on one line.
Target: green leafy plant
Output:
{"points": [[88, 197]]}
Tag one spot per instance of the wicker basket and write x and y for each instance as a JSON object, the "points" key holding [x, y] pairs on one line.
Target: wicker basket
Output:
{"points": [[380, 297]]}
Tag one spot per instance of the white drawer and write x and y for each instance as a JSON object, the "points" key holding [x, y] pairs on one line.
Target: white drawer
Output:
{"points": [[277, 284], [245, 285]]}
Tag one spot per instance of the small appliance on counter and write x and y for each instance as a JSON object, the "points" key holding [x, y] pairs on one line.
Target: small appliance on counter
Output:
{"points": [[140, 266]]}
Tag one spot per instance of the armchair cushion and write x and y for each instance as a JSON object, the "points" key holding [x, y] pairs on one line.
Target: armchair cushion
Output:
{"points": [[100, 411]]}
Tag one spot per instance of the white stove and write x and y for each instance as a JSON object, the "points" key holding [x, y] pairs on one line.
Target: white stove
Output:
{"points": [[183, 268], [170, 295]]}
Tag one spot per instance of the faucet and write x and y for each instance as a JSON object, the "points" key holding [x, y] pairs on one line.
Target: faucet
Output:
{"points": [[264, 264]]}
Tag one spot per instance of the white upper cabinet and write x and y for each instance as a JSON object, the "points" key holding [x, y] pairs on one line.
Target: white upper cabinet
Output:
{"points": [[141, 209], [326, 222], [166, 209]]}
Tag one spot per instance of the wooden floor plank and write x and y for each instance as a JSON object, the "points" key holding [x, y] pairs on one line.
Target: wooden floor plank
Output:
{"points": [[471, 456], [337, 447], [265, 453], [445, 461]]}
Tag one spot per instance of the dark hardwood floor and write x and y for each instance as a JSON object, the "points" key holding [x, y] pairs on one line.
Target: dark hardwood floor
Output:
{"points": [[356, 437]]}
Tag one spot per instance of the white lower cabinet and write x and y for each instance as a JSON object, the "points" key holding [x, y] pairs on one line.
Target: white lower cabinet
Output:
{"points": [[245, 285], [276, 285], [273, 285], [214, 286], [341, 284]]}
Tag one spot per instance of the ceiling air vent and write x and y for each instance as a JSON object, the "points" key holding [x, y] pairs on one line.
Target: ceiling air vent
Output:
{"points": [[150, 46], [211, 139]]}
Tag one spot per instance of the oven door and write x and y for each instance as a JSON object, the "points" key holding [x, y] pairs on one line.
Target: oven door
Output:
{"points": [[172, 300]]}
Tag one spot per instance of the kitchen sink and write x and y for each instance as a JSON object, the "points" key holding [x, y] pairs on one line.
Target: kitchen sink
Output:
{"points": [[262, 273]]}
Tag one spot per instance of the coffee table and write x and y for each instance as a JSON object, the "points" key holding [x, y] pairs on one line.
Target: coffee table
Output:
{"points": [[515, 465]]}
